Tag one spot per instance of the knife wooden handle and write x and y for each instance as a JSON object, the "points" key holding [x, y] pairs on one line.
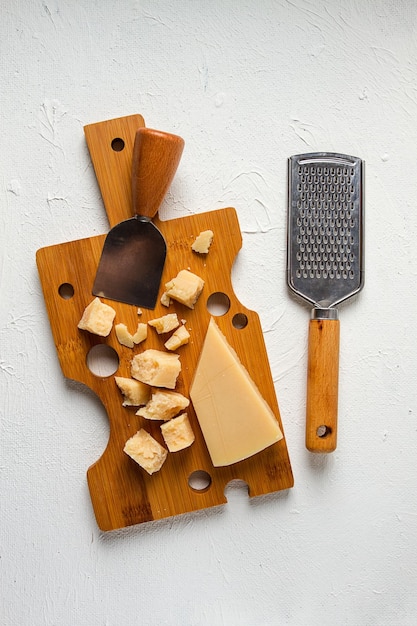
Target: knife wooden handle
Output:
{"points": [[156, 156], [322, 385]]}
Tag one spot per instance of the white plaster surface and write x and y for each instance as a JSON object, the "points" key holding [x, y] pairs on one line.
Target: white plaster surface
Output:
{"points": [[247, 83]]}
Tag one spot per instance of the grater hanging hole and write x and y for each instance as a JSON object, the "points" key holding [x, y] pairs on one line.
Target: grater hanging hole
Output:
{"points": [[323, 431]]}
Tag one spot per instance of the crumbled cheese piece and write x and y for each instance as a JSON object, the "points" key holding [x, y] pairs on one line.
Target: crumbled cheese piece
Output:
{"points": [[146, 451], [203, 242], [164, 405], [135, 393], [179, 338], [165, 324], [156, 368], [141, 333], [139, 311], [123, 335], [165, 299], [186, 288], [97, 318], [177, 433], [126, 338]]}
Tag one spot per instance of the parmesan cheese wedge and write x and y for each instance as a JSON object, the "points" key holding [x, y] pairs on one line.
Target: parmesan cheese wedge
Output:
{"points": [[235, 419]]}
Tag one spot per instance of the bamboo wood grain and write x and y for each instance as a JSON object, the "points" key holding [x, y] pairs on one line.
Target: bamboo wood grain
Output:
{"points": [[122, 494], [322, 385]]}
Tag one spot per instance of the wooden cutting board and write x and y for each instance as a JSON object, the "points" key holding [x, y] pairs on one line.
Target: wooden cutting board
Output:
{"points": [[121, 492]]}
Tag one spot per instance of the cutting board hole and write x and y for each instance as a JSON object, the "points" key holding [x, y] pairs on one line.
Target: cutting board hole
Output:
{"points": [[218, 303], [240, 321], [66, 291], [102, 360], [199, 481], [117, 144], [323, 431]]}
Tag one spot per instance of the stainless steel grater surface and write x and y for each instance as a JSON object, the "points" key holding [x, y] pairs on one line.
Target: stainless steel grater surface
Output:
{"points": [[325, 255], [325, 267]]}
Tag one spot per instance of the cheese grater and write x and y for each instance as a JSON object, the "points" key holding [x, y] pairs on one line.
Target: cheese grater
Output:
{"points": [[324, 267]]}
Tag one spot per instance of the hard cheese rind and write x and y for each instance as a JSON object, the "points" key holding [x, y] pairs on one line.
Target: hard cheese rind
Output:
{"points": [[235, 419]]}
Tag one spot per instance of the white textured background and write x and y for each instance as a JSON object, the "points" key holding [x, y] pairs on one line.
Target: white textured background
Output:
{"points": [[247, 84]]}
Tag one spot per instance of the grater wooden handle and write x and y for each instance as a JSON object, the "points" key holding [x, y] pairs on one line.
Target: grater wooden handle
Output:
{"points": [[322, 385]]}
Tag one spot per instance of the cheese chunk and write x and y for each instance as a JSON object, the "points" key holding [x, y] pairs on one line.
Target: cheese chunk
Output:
{"points": [[146, 451], [156, 368], [163, 405], [203, 242], [177, 433], [97, 318], [185, 288], [141, 333], [123, 335], [127, 339], [165, 324], [135, 393], [165, 299], [179, 338], [235, 419]]}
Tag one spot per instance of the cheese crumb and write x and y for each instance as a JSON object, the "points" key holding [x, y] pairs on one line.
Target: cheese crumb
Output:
{"points": [[165, 299], [179, 338], [135, 393], [177, 433], [141, 333], [125, 338], [97, 318], [164, 405], [146, 451], [123, 335], [203, 242], [165, 324], [185, 288], [156, 368]]}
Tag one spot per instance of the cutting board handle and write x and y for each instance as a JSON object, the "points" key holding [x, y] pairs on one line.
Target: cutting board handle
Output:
{"points": [[322, 385], [156, 156]]}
